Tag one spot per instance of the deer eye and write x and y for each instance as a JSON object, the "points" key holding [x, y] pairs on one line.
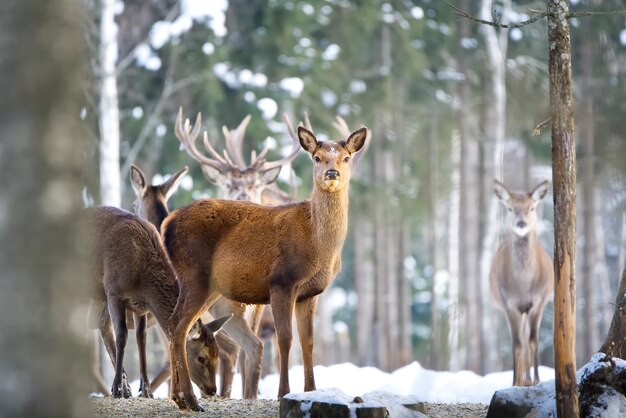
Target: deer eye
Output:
{"points": [[201, 360], [317, 159], [345, 160]]}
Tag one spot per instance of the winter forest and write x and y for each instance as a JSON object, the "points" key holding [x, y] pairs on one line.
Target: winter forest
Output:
{"points": [[451, 105]]}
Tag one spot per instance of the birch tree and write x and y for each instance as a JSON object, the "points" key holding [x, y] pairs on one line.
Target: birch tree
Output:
{"points": [[109, 119]]}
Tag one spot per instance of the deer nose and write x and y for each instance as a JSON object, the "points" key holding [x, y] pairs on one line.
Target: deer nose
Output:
{"points": [[521, 224], [332, 174]]}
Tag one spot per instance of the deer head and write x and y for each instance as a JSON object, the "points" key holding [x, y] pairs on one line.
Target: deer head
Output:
{"points": [[202, 354], [522, 216], [236, 179], [151, 202]]}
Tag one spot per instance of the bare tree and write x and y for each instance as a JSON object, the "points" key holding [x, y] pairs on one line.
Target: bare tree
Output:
{"points": [[42, 361], [564, 181]]}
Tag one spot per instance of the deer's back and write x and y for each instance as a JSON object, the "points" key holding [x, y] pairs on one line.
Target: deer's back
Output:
{"points": [[244, 247], [127, 252]]}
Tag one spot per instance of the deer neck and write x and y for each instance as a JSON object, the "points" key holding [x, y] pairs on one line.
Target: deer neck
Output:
{"points": [[329, 217], [522, 250]]}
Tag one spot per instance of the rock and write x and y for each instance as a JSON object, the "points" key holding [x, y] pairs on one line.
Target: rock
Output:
{"points": [[335, 403]]}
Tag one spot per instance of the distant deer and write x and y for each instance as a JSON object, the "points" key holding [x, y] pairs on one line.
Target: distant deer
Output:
{"points": [[237, 180], [522, 278], [282, 255], [132, 272]]}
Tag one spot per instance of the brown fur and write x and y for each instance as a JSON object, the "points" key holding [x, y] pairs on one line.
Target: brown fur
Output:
{"points": [[131, 271], [521, 279], [284, 255]]}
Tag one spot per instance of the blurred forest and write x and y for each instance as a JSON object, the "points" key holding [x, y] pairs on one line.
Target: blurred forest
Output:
{"points": [[451, 105]]}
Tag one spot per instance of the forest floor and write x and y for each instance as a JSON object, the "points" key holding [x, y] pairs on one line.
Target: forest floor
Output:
{"points": [[236, 408]]}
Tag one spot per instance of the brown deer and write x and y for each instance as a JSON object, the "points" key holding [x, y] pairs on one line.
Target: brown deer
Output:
{"points": [[151, 205], [237, 180], [282, 255], [522, 278], [131, 271]]}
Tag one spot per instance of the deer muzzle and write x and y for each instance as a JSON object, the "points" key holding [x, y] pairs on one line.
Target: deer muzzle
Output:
{"points": [[331, 175]]}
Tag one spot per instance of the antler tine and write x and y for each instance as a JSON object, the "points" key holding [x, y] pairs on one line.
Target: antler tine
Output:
{"points": [[209, 147], [187, 137], [257, 161], [294, 149], [234, 141], [340, 124], [307, 121]]}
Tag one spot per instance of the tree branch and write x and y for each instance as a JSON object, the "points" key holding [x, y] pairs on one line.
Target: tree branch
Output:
{"points": [[497, 24]]}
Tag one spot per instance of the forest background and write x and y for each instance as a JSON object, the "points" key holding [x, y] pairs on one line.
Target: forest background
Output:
{"points": [[451, 105]]}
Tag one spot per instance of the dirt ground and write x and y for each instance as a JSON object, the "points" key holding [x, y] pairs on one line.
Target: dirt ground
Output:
{"points": [[236, 408]]}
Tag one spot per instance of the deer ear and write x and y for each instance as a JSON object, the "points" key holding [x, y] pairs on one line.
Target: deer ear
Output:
{"points": [[270, 176], [196, 331], [137, 179], [307, 139], [540, 191], [217, 324], [502, 192], [356, 140], [170, 186]]}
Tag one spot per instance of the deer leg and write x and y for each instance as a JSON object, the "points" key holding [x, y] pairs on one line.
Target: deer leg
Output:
{"points": [[282, 303], [140, 334], [117, 311], [229, 351], [515, 321], [190, 305], [106, 332], [165, 371], [535, 323], [252, 347], [305, 311]]}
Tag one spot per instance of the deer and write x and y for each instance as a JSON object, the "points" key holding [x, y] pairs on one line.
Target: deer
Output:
{"points": [[284, 256], [521, 278], [151, 205], [131, 271], [238, 180]]}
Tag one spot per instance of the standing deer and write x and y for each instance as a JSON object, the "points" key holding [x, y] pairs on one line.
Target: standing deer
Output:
{"points": [[131, 271], [282, 255], [522, 278], [237, 180]]}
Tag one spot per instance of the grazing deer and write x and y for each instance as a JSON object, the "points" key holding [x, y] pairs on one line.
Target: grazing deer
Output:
{"points": [[132, 272], [522, 278], [237, 180], [282, 255]]}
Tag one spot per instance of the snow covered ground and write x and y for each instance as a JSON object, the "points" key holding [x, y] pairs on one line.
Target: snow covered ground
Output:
{"points": [[425, 385]]}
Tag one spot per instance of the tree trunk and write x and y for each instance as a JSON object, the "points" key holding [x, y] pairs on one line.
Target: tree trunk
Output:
{"points": [[494, 133], [436, 353], [43, 361], [564, 181], [454, 313], [615, 342], [590, 282], [109, 110], [364, 286]]}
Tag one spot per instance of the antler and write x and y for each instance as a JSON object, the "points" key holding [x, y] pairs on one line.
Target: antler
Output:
{"points": [[187, 137], [340, 124], [259, 162]]}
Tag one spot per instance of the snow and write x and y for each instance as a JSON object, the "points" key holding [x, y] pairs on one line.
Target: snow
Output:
{"points": [[411, 380], [415, 382]]}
